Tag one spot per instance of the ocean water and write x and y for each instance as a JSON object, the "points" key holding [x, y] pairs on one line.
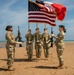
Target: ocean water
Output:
{"points": [[3, 43], [69, 40]]}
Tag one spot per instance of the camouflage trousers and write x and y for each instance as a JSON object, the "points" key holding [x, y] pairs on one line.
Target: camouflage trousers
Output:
{"points": [[29, 48], [10, 55], [59, 54], [46, 48], [38, 50], [60, 47]]}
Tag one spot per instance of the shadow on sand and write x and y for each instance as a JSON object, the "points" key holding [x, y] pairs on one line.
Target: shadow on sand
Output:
{"points": [[3, 69], [45, 67], [22, 60]]}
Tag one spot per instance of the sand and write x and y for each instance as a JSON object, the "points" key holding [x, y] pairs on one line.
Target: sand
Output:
{"points": [[39, 67]]}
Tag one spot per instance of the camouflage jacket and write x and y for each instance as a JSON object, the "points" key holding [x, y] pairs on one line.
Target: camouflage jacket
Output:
{"points": [[11, 40], [29, 37], [46, 37], [60, 39], [38, 37]]}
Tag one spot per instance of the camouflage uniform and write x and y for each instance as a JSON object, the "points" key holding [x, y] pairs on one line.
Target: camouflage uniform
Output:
{"points": [[29, 45], [38, 44], [10, 47], [60, 46], [46, 44]]}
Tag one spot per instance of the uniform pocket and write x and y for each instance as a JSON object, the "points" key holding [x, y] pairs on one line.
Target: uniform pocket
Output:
{"points": [[61, 45], [10, 48]]}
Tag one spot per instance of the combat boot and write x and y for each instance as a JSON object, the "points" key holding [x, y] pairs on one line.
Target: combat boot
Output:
{"points": [[10, 68], [60, 66]]}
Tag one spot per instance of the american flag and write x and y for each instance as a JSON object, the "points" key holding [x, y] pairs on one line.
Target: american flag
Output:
{"points": [[59, 9], [40, 14]]}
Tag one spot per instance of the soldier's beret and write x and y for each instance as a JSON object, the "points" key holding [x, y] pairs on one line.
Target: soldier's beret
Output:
{"points": [[37, 28], [8, 27], [45, 29]]}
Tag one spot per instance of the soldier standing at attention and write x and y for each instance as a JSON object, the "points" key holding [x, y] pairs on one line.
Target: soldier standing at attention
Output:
{"points": [[46, 42], [10, 46], [60, 44], [38, 43], [29, 44]]}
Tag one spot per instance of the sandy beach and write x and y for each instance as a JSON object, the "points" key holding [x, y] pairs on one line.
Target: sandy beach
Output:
{"points": [[39, 67]]}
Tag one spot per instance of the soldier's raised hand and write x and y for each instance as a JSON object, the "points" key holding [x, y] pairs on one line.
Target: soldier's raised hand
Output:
{"points": [[52, 35], [19, 42]]}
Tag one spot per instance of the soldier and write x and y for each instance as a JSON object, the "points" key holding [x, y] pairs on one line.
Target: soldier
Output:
{"points": [[29, 44], [46, 42], [60, 44], [10, 46], [38, 43]]}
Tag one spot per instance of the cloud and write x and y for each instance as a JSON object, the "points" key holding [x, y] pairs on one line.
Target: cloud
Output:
{"points": [[13, 17]]}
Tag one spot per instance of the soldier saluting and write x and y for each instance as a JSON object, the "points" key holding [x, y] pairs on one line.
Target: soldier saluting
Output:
{"points": [[29, 44], [38, 42], [46, 42], [10, 46]]}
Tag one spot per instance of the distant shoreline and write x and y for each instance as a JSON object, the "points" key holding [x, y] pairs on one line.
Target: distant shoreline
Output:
{"points": [[3, 43], [64, 41]]}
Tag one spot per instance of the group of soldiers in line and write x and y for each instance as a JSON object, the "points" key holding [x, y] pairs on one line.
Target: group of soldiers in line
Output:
{"points": [[40, 40]]}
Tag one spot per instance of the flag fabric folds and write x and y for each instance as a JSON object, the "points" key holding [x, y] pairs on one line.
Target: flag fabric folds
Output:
{"points": [[58, 8], [40, 13]]}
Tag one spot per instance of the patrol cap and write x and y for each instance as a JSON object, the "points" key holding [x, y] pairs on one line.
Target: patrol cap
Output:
{"points": [[29, 30], [8, 27], [37, 28], [62, 26], [45, 29]]}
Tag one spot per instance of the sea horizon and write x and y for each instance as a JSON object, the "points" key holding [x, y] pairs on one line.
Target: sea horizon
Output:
{"points": [[3, 43], [64, 40]]}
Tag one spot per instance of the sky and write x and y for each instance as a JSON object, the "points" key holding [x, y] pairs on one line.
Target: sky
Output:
{"points": [[15, 13]]}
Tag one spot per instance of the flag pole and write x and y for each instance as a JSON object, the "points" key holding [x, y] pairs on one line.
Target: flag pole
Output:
{"points": [[51, 37], [44, 25], [36, 25], [28, 25]]}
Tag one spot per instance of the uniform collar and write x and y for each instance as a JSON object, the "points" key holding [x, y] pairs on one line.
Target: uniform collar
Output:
{"points": [[62, 32], [9, 32]]}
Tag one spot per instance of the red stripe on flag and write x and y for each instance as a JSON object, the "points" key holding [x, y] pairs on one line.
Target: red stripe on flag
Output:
{"points": [[38, 21], [42, 16]]}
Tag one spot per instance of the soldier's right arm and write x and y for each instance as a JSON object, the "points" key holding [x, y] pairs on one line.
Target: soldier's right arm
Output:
{"points": [[26, 35], [42, 37], [8, 37]]}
